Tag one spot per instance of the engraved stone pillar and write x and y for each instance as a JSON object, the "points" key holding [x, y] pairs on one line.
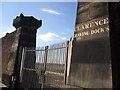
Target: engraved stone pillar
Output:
{"points": [[95, 62]]}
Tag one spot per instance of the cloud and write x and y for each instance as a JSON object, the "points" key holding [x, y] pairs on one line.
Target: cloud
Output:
{"points": [[2, 34], [6, 30], [50, 37], [51, 11]]}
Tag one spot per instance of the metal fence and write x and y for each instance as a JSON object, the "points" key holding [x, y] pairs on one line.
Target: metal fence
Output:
{"points": [[44, 67]]}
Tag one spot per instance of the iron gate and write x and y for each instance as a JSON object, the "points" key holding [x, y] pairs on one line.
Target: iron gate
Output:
{"points": [[44, 67]]}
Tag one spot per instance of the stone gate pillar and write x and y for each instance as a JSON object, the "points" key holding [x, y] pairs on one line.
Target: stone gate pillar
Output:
{"points": [[95, 59], [12, 44], [27, 27]]}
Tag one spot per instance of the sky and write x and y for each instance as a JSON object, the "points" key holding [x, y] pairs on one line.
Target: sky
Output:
{"points": [[58, 19]]}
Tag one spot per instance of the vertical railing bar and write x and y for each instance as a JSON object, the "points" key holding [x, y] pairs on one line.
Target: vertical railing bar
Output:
{"points": [[42, 54], [51, 57], [28, 66], [35, 85], [45, 58], [30, 59], [40, 62], [22, 64]]}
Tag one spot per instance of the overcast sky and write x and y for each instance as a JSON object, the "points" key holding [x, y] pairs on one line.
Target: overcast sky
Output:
{"points": [[58, 19]]}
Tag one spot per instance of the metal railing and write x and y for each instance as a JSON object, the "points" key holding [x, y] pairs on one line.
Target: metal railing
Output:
{"points": [[44, 67]]}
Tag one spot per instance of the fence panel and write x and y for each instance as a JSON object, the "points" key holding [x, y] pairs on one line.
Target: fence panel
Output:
{"points": [[55, 66], [28, 75], [44, 66]]}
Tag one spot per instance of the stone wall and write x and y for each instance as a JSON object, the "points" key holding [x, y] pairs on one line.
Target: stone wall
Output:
{"points": [[91, 61], [9, 50], [95, 60], [12, 45], [0, 59], [8, 42]]}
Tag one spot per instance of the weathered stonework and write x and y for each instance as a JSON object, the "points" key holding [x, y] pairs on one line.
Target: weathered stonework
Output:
{"points": [[12, 44], [94, 64], [9, 50], [0, 59]]}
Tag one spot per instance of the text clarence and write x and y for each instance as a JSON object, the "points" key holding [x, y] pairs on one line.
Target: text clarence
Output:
{"points": [[92, 24]]}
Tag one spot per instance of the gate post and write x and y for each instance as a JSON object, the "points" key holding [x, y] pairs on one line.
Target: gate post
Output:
{"points": [[22, 64], [45, 62], [68, 59], [65, 71], [27, 27]]}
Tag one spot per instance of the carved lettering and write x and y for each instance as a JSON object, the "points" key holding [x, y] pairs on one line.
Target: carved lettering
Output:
{"points": [[96, 23], [92, 24], [82, 34], [96, 31], [92, 32]]}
